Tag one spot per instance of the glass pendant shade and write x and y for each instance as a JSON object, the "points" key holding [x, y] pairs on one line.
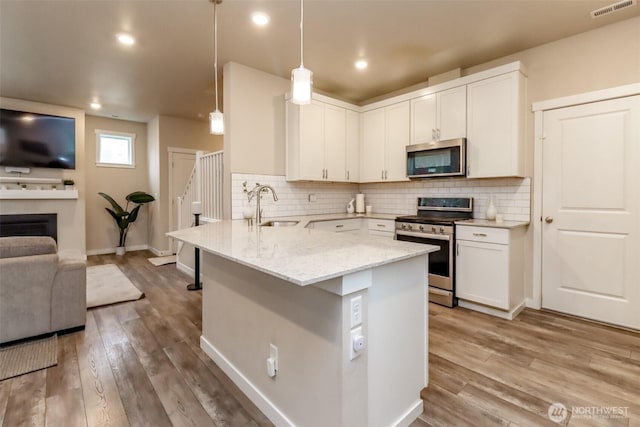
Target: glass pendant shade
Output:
{"points": [[216, 123], [301, 85]]}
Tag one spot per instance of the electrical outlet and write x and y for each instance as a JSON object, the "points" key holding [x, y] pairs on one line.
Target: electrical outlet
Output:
{"points": [[272, 361], [356, 311], [357, 343]]}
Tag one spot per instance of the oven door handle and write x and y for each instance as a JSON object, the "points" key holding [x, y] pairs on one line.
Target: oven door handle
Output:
{"points": [[424, 235]]}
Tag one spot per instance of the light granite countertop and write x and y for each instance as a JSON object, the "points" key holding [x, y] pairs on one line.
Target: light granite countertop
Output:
{"points": [[305, 220], [300, 255]]}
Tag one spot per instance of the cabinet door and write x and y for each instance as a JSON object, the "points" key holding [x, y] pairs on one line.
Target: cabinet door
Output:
{"points": [[311, 146], [482, 273], [452, 113], [372, 146], [335, 134], [495, 127], [353, 147], [423, 119], [397, 119]]}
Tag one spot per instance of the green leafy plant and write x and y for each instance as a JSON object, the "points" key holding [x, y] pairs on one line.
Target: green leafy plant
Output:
{"points": [[123, 217]]}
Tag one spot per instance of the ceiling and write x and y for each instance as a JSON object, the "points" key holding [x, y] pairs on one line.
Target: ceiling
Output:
{"points": [[64, 52]]}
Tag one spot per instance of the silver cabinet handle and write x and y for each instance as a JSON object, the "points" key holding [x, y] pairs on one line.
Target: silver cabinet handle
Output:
{"points": [[433, 134], [385, 174], [457, 249], [480, 234], [438, 134], [347, 175], [382, 174], [380, 225], [339, 225], [548, 219], [326, 174]]}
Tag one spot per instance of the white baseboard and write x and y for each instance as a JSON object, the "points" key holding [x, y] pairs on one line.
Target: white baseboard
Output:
{"points": [[531, 303], [185, 268], [158, 252], [411, 415], [255, 395], [113, 250], [509, 315]]}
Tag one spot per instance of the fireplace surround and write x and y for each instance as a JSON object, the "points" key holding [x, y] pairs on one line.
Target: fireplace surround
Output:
{"points": [[45, 224]]}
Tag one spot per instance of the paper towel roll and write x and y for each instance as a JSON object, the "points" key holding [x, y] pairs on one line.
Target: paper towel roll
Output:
{"points": [[359, 203]]}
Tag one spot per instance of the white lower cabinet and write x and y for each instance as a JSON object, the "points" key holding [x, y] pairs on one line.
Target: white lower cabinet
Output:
{"points": [[381, 227], [370, 226], [339, 225], [489, 269]]}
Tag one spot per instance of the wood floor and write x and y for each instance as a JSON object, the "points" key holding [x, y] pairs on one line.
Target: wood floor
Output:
{"points": [[139, 363], [485, 371]]}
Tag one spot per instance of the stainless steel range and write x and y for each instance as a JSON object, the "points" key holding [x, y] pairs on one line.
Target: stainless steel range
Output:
{"points": [[434, 225]]}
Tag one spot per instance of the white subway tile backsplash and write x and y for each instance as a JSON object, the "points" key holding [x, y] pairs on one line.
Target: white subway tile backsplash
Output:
{"points": [[512, 196]]}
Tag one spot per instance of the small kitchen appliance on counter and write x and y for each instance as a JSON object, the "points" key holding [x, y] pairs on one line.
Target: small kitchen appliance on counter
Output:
{"points": [[360, 203], [434, 225]]}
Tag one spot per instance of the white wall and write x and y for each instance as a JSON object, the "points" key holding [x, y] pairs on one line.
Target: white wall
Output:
{"points": [[254, 140], [71, 213], [102, 231], [165, 132]]}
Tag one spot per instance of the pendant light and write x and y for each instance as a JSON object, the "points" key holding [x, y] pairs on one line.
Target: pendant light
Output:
{"points": [[216, 120], [301, 78]]}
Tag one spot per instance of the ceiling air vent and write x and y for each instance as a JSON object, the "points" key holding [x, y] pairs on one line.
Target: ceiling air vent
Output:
{"points": [[612, 8]]}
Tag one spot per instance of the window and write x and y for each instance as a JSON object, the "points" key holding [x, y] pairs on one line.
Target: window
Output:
{"points": [[115, 149]]}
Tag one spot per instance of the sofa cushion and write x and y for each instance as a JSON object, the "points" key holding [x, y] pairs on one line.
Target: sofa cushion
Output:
{"points": [[19, 246]]}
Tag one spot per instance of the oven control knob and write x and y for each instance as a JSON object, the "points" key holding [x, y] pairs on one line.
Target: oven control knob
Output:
{"points": [[433, 229], [404, 226], [441, 230], [421, 228]]}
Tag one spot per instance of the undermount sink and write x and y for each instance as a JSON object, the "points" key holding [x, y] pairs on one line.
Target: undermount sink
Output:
{"points": [[279, 223]]}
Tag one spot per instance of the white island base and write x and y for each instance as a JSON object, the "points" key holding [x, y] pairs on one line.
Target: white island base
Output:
{"points": [[317, 384]]}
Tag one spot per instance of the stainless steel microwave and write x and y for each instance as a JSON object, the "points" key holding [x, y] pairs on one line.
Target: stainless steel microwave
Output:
{"points": [[437, 159]]}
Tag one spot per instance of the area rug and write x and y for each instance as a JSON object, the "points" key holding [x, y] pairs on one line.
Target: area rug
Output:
{"points": [[28, 356], [106, 284], [162, 260]]}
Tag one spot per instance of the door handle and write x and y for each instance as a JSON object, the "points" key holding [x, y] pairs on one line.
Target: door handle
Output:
{"points": [[548, 219], [457, 249]]}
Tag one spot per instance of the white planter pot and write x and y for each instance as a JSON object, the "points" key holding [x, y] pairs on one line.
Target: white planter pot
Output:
{"points": [[120, 250]]}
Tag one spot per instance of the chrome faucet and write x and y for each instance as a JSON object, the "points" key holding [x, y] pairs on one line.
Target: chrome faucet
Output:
{"points": [[257, 190]]}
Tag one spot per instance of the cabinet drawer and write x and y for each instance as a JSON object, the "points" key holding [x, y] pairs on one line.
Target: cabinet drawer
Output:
{"points": [[338, 225], [387, 225], [482, 234]]}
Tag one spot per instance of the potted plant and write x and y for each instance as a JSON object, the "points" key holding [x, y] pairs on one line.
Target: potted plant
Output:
{"points": [[68, 184], [123, 217]]}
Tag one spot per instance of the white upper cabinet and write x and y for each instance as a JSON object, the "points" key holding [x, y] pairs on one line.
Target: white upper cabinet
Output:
{"points": [[495, 126], [439, 116], [316, 142], [353, 146], [385, 135], [372, 146], [335, 143]]}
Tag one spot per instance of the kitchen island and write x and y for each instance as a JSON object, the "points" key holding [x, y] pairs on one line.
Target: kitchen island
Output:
{"points": [[282, 308]]}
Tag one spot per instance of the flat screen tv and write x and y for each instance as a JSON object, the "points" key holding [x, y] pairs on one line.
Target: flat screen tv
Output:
{"points": [[37, 140]]}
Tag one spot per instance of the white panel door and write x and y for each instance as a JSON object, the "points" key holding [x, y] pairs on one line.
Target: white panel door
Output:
{"points": [[180, 168], [423, 119], [591, 211]]}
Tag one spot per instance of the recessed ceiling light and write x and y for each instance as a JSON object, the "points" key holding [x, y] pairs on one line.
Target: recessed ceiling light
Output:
{"points": [[260, 18], [126, 39], [95, 105], [361, 64]]}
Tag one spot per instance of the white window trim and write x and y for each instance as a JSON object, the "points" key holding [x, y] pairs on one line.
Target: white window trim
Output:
{"points": [[100, 132]]}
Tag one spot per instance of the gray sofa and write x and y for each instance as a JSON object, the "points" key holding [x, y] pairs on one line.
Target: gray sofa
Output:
{"points": [[39, 292]]}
